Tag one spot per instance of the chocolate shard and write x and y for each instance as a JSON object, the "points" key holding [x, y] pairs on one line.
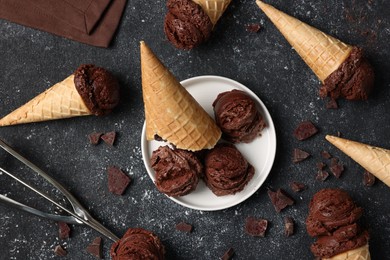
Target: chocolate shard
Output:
{"points": [[94, 138], [368, 179], [256, 227], [332, 104], [228, 255], [288, 226], [63, 230], [184, 227], [336, 167], [297, 186], [253, 27], [60, 251], [299, 155], [109, 138], [322, 175], [95, 248], [117, 180], [305, 130], [321, 165], [280, 199], [326, 155]]}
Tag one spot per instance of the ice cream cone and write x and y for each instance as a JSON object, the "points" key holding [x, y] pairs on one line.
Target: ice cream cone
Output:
{"points": [[60, 101], [170, 111], [374, 159], [321, 52], [213, 8], [361, 253]]}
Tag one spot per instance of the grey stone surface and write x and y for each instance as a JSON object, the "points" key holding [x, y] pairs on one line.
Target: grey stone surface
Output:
{"points": [[31, 61]]}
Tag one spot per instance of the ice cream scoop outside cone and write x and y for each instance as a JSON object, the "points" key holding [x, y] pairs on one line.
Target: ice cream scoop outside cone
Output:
{"points": [[213, 8], [374, 159], [62, 100], [361, 253], [170, 111], [321, 52]]}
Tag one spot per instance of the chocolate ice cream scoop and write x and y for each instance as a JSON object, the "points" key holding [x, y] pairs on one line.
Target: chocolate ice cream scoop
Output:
{"points": [[138, 243], [333, 219], [177, 171], [98, 88], [186, 24], [353, 80], [226, 170], [238, 117]]}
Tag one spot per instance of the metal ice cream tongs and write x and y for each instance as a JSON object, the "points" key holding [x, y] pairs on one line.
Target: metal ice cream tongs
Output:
{"points": [[79, 215]]}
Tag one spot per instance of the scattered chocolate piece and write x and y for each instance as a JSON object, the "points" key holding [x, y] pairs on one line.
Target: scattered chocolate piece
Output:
{"points": [[321, 165], [336, 167], [94, 138], [184, 227], [228, 254], [95, 248], [368, 179], [305, 130], [297, 186], [256, 227], [326, 155], [59, 251], [288, 226], [117, 180], [299, 155], [63, 230], [254, 27], [280, 199], [338, 134], [158, 138], [322, 175], [332, 104], [109, 138]]}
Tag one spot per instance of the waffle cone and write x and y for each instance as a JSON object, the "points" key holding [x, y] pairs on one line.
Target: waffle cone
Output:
{"points": [[361, 253], [60, 101], [213, 8], [170, 111], [321, 52], [374, 159]]}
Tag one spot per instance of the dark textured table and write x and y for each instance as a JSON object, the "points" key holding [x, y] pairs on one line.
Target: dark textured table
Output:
{"points": [[31, 61]]}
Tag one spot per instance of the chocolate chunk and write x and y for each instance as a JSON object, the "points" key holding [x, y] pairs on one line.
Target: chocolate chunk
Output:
{"points": [[280, 199], [117, 180], [256, 227], [94, 138], [336, 167], [109, 138], [299, 155], [288, 226], [332, 104], [322, 175], [321, 165], [184, 227], [228, 254], [63, 230], [297, 186], [95, 248], [59, 251], [326, 155], [305, 130], [368, 179], [254, 27]]}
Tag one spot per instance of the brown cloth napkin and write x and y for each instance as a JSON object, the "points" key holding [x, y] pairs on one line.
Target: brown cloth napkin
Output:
{"points": [[92, 22]]}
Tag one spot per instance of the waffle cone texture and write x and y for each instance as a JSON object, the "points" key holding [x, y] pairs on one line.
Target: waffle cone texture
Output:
{"points": [[62, 100], [374, 159], [213, 8], [170, 111], [321, 52], [361, 253]]}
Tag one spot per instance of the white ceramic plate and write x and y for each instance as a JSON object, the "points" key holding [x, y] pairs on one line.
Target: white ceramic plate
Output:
{"points": [[260, 152]]}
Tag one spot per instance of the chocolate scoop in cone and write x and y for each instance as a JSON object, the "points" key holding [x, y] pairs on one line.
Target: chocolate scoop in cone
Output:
{"points": [[374, 159], [89, 91], [341, 68], [170, 111]]}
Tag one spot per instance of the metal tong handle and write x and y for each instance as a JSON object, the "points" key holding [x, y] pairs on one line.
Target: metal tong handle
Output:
{"points": [[80, 214]]}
